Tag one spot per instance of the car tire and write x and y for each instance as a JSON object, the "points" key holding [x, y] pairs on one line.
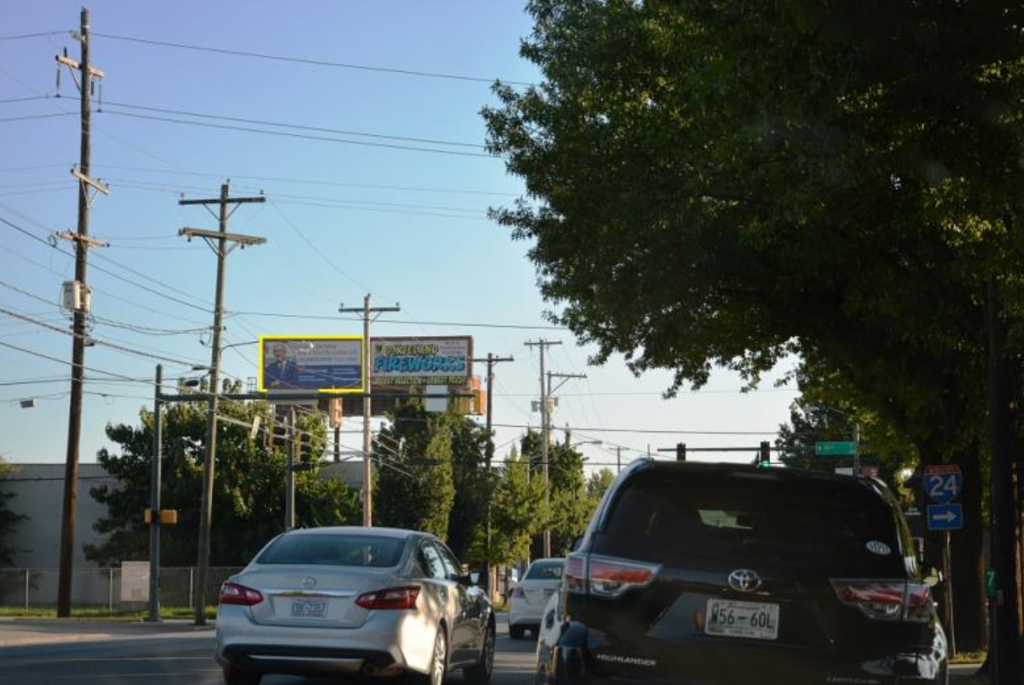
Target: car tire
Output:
{"points": [[516, 632], [438, 662], [236, 676], [480, 672]]}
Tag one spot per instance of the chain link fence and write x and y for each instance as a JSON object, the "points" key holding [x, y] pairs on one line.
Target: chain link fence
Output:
{"points": [[36, 588]]}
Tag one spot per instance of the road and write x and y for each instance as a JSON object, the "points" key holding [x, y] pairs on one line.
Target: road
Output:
{"points": [[184, 658]]}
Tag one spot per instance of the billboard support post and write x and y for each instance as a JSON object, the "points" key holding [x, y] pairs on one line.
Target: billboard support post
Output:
{"points": [[366, 311]]}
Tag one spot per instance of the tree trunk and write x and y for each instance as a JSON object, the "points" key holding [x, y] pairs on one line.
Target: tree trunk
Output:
{"points": [[970, 607], [1006, 446]]}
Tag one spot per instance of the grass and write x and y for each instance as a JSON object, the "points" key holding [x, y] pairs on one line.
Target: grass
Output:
{"points": [[101, 612], [967, 658]]}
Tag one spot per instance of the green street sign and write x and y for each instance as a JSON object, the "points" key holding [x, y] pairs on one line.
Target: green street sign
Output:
{"points": [[990, 583], [835, 449]]}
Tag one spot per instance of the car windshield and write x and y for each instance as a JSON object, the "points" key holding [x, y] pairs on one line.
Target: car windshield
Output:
{"points": [[334, 550], [551, 570]]}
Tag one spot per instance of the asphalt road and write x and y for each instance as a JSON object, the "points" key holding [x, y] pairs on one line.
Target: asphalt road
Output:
{"points": [[158, 658]]}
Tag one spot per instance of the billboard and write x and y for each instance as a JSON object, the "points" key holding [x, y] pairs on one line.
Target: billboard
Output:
{"points": [[398, 363], [325, 363]]}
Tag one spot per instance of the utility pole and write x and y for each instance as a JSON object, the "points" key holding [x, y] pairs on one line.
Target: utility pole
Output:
{"points": [[544, 427], [289, 478], [491, 360], [366, 310], [618, 460], [219, 242], [82, 244], [154, 501]]}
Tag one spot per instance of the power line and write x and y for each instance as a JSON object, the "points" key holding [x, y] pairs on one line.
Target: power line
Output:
{"points": [[65, 362], [463, 324], [299, 181], [29, 117], [33, 35], [9, 101], [644, 430], [84, 336], [311, 62], [302, 136], [298, 127]]}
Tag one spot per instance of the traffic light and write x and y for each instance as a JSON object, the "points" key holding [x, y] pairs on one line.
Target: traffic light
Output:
{"points": [[764, 456], [680, 451]]}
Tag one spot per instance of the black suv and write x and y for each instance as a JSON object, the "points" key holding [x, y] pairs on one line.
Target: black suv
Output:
{"points": [[713, 573]]}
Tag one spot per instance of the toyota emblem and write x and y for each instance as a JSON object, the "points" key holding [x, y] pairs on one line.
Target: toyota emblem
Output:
{"points": [[744, 580], [309, 583]]}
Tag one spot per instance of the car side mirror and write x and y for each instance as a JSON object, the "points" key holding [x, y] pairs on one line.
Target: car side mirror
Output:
{"points": [[468, 580]]}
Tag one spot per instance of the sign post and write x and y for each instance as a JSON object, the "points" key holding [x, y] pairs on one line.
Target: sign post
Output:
{"points": [[942, 483]]}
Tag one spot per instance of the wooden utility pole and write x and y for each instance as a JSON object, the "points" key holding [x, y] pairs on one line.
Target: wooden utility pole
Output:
{"points": [[367, 311], [81, 308], [491, 360], [222, 243]]}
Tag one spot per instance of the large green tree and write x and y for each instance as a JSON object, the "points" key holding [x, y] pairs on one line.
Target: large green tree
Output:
{"points": [[249, 489], [413, 456], [519, 511], [729, 183], [570, 509]]}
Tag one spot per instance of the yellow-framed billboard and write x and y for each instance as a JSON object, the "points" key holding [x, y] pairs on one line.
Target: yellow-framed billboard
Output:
{"points": [[303, 363]]}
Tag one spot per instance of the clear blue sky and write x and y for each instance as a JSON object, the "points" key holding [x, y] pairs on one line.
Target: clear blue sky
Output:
{"points": [[344, 219]]}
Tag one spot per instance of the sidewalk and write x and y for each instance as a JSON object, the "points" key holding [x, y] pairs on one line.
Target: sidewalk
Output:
{"points": [[36, 631]]}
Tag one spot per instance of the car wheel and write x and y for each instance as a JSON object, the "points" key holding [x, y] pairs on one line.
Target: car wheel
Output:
{"points": [[516, 632], [438, 662], [235, 676], [480, 672]]}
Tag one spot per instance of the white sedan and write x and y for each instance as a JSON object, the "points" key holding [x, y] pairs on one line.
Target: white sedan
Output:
{"points": [[529, 597]]}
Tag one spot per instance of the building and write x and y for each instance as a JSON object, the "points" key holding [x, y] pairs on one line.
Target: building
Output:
{"points": [[38, 491]]}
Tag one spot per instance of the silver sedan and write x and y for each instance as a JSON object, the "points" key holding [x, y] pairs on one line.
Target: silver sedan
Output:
{"points": [[357, 601]]}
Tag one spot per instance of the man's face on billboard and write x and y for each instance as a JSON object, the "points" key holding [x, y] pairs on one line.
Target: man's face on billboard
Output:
{"points": [[280, 353]]}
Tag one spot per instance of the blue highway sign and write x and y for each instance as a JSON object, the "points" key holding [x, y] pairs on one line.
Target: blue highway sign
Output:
{"points": [[945, 517], [942, 483]]}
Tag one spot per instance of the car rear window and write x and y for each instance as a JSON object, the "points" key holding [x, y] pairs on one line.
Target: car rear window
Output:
{"points": [[747, 515], [334, 550], [550, 570]]}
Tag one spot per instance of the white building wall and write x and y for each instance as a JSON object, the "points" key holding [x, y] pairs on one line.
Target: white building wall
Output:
{"points": [[39, 493]]}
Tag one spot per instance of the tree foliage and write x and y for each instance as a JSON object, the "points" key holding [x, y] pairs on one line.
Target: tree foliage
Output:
{"points": [[519, 510], [413, 457], [249, 486], [728, 183], [8, 518]]}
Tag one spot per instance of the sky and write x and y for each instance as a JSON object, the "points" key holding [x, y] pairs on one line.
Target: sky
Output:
{"points": [[376, 183]]}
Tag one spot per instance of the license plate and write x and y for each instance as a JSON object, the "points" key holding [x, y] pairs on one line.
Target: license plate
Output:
{"points": [[309, 608], [754, 620]]}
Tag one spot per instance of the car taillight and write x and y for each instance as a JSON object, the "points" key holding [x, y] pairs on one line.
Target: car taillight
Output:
{"points": [[518, 593], [233, 593], [403, 597], [887, 600], [605, 576], [575, 574]]}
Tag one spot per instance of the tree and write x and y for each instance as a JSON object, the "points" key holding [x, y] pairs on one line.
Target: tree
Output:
{"points": [[473, 485], [598, 484], [569, 510], [414, 470], [248, 501], [519, 511], [836, 181], [8, 519]]}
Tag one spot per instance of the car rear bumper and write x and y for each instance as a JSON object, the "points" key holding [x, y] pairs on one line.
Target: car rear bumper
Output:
{"points": [[263, 658], [387, 642], [563, 657]]}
